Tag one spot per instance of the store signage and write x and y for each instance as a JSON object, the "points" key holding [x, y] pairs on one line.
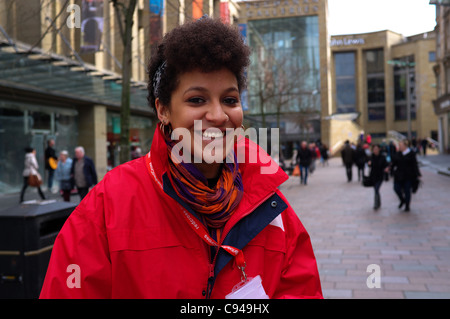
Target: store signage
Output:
{"points": [[266, 9], [346, 42], [442, 104]]}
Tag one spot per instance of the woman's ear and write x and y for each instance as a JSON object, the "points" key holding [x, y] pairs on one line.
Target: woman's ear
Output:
{"points": [[162, 112]]}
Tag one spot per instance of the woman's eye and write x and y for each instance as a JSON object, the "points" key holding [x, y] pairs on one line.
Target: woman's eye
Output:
{"points": [[231, 100], [196, 100]]}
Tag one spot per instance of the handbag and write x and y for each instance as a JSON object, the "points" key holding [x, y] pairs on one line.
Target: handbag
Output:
{"points": [[415, 185], [34, 180], [367, 181], [66, 185], [296, 171]]}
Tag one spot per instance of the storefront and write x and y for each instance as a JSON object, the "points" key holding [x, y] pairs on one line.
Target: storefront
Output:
{"points": [[45, 96], [442, 110]]}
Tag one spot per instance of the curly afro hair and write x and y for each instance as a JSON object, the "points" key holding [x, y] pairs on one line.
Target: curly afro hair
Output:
{"points": [[206, 45]]}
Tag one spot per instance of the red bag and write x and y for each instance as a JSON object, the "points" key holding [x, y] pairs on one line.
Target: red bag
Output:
{"points": [[296, 171]]}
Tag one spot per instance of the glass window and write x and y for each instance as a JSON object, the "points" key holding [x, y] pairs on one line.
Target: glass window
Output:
{"points": [[375, 85], [401, 85], [285, 64], [432, 56], [345, 82]]}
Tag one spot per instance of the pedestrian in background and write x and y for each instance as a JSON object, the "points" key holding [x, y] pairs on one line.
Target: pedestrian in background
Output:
{"points": [[62, 174], [348, 158], [50, 162], [324, 154], [165, 226], [378, 167], [83, 172], [31, 167], [304, 159], [405, 170], [360, 160]]}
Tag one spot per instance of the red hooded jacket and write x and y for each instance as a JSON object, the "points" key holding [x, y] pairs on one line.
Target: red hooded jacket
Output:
{"points": [[127, 239]]}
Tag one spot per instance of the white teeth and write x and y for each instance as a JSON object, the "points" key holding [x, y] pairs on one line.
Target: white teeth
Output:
{"points": [[212, 134]]}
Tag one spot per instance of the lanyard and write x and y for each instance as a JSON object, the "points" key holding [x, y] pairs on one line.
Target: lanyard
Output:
{"points": [[200, 229]]}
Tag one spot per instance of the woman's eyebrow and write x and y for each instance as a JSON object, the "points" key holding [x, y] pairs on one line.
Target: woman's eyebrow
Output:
{"points": [[200, 88]]}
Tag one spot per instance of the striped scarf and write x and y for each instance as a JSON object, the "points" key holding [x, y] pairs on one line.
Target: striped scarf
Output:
{"points": [[215, 205]]}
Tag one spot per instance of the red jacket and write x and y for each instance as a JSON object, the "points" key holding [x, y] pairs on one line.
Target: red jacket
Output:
{"points": [[126, 239]]}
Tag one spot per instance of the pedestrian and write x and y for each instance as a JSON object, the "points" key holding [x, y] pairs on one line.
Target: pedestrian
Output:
{"points": [[424, 146], [378, 167], [31, 167], [406, 171], [172, 225], [360, 160], [50, 162], [348, 158], [62, 174], [304, 159], [83, 172], [324, 154]]}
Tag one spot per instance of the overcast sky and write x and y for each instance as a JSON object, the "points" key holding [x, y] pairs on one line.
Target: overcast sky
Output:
{"points": [[407, 17]]}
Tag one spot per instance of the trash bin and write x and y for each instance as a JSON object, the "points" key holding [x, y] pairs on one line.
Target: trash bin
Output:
{"points": [[27, 235]]}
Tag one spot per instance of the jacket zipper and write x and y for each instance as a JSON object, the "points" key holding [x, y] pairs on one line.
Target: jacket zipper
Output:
{"points": [[211, 278]]}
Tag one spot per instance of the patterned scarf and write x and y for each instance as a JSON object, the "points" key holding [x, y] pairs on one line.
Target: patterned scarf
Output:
{"points": [[215, 205]]}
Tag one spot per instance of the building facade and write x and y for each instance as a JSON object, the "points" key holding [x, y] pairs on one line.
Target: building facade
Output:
{"points": [[60, 76], [377, 77], [442, 73], [288, 80]]}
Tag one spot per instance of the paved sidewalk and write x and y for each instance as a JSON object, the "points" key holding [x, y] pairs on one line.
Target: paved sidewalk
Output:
{"points": [[439, 163], [412, 249]]}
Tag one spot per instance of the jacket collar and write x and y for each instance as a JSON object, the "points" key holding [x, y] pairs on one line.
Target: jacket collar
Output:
{"points": [[260, 174]]}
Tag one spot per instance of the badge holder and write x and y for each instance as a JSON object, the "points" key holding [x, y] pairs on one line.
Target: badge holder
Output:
{"points": [[250, 288]]}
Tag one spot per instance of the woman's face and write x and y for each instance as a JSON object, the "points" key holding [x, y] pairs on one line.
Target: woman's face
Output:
{"points": [[376, 150], [211, 101]]}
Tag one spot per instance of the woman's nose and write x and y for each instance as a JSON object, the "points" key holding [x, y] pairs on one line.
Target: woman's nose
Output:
{"points": [[216, 114]]}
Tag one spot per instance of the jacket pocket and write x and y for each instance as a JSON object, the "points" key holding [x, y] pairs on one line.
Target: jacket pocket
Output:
{"points": [[271, 238], [143, 239]]}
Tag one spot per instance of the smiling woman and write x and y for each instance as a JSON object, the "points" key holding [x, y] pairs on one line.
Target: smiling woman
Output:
{"points": [[199, 226]]}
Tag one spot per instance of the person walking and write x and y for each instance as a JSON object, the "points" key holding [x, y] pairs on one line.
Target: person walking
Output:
{"points": [[405, 170], [348, 158], [192, 225], [360, 160], [50, 162], [62, 174], [31, 167], [304, 159], [378, 167], [83, 172], [324, 153]]}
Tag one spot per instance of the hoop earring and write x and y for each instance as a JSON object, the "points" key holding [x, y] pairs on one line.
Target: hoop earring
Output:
{"points": [[165, 128]]}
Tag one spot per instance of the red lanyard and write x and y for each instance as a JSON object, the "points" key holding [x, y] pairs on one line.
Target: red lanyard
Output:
{"points": [[200, 229]]}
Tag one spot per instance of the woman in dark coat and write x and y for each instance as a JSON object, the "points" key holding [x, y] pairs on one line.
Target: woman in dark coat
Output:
{"points": [[406, 171], [378, 166]]}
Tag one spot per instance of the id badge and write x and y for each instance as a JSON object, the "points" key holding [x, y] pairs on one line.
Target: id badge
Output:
{"points": [[251, 289]]}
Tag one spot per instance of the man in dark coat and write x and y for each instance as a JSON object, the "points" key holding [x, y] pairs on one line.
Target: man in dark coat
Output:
{"points": [[348, 158], [304, 158], [50, 154], [83, 172], [406, 171]]}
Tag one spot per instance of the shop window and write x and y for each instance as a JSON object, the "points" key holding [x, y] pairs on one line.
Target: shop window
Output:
{"points": [[375, 85]]}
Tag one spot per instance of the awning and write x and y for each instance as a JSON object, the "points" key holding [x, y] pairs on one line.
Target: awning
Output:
{"points": [[30, 70]]}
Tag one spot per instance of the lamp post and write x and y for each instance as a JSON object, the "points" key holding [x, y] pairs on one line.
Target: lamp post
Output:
{"points": [[407, 65]]}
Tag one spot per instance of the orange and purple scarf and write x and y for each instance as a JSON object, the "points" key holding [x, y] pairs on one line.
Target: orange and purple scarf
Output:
{"points": [[215, 205]]}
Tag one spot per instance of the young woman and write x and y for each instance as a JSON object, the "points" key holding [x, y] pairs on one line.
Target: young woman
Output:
{"points": [[189, 222], [31, 167]]}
